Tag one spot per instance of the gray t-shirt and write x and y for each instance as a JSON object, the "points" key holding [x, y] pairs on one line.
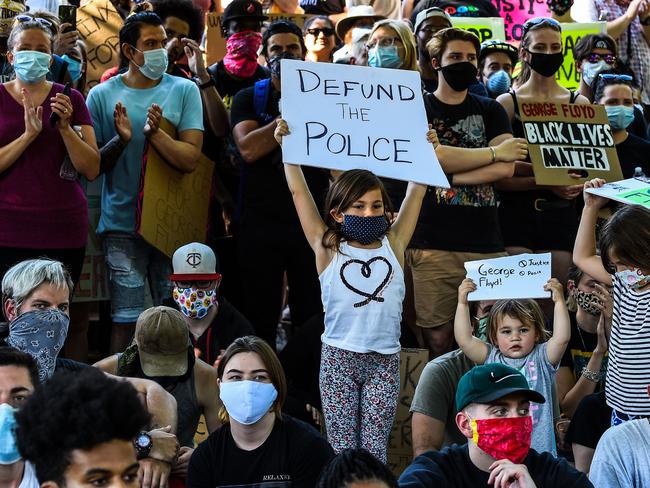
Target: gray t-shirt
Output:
{"points": [[435, 393], [540, 374], [622, 458]]}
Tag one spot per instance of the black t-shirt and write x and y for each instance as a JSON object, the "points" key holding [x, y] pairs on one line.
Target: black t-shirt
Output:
{"points": [[460, 8], [228, 87], [322, 7], [452, 467], [293, 456], [633, 152], [579, 351], [447, 215], [266, 198]]}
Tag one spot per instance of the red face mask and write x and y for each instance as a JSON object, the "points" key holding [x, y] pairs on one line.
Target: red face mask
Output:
{"points": [[503, 438], [241, 57]]}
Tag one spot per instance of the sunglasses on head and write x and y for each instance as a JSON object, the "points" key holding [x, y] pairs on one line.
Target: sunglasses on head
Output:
{"points": [[612, 76], [29, 18], [595, 57], [539, 21], [316, 31]]}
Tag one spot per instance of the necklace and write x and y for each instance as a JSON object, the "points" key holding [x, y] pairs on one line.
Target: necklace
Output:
{"points": [[582, 339]]}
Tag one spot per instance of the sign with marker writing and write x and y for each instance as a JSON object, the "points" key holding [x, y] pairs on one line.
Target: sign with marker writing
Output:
{"points": [[516, 13], [634, 191], [485, 28], [520, 276], [569, 139], [358, 118]]}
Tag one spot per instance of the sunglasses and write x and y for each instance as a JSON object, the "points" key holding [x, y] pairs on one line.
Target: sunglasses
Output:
{"points": [[608, 58], [539, 21], [318, 30], [29, 18], [200, 285]]}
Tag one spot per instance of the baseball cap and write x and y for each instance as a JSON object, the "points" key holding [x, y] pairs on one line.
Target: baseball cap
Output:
{"points": [[355, 13], [489, 382], [242, 8], [163, 339], [194, 261], [493, 46], [429, 13]]}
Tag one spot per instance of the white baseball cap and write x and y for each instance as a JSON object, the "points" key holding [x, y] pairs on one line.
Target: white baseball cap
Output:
{"points": [[194, 261]]}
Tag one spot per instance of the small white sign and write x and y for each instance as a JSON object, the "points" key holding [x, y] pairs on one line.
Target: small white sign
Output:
{"points": [[634, 191], [520, 276], [354, 117]]}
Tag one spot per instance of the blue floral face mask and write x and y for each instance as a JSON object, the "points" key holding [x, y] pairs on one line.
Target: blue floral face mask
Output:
{"points": [[384, 57]]}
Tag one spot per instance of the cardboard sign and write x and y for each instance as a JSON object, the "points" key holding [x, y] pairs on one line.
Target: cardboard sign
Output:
{"points": [[400, 447], [634, 191], [515, 14], [367, 118], [567, 76], [485, 28], [520, 276], [93, 281], [98, 24], [567, 138], [174, 205]]}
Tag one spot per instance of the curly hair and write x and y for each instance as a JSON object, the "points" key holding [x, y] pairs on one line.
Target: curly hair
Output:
{"points": [[76, 411], [184, 10], [353, 465]]}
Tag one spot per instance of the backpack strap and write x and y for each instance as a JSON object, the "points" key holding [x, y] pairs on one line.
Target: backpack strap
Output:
{"points": [[261, 100]]}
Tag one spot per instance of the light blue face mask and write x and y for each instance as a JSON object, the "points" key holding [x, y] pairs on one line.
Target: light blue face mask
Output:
{"points": [[384, 57], [31, 66], [155, 63], [590, 70], [74, 67], [8, 450], [619, 116], [247, 401], [498, 83]]}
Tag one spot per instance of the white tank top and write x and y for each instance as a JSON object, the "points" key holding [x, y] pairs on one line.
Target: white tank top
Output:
{"points": [[362, 292]]}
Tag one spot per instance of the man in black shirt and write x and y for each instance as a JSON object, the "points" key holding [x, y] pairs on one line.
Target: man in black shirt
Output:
{"points": [[493, 404]]}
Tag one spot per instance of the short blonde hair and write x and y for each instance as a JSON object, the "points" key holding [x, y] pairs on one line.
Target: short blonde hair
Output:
{"points": [[406, 36]]}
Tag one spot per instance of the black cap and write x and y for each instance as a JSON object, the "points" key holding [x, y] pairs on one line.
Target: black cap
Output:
{"points": [[238, 9]]}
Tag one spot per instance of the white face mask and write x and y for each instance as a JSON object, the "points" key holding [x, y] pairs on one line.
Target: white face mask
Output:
{"points": [[590, 70]]}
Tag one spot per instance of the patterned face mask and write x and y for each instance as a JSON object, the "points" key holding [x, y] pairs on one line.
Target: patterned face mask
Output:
{"points": [[365, 230], [41, 334], [586, 301], [195, 302]]}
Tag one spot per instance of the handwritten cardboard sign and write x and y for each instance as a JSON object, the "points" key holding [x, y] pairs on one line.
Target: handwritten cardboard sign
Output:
{"points": [[567, 76], [567, 138], [360, 117], [400, 447], [174, 205], [485, 28], [520, 276], [633, 191], [98, 24]]}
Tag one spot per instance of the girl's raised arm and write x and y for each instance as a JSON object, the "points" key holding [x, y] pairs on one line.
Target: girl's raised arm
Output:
{"points": [[310, 219], [559, 341], [473, 347]]}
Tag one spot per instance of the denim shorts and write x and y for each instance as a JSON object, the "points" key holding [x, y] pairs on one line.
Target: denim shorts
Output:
{"points": [[131, 261]]}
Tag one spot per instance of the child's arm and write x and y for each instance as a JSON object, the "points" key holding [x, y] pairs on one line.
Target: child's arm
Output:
{"points": [[310, 220], [557, 344], [584, 249], [474, 348]]}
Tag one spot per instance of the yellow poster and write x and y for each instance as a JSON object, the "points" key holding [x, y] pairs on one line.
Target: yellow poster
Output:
{"points": [[567, 76], [485, 28]]}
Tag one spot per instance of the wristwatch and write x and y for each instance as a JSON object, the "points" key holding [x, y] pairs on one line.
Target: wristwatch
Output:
{"points": [[143, 444], [208, 83]]}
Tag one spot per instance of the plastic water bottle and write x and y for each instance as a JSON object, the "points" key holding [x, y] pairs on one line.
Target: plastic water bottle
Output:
{"points": [[638, 172]]}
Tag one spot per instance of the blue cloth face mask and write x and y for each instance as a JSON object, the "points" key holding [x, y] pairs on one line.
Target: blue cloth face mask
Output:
{"points": [[619, 116], [155, 63], [590, 70], [74, 67], [498, 83], [365, 230], [247, 401], [384, 57], [8, 450], [31, 66], [41, 334]]}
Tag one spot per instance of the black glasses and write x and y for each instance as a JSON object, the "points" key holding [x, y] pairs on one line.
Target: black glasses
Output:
{"points": [[29, 18], [316, 31], [539, 21], [612, 76], [595, 57]]}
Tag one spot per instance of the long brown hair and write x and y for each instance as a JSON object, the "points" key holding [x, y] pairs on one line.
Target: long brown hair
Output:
{"points": [[349, 187], [524, 76], [627, 234]]}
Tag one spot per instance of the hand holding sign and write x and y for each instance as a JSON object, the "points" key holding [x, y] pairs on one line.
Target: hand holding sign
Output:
{"points": [[633, 191]]}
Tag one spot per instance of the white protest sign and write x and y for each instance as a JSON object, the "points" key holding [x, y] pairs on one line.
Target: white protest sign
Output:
{"points": [[520, 276], [635, 191], [354, 117]]}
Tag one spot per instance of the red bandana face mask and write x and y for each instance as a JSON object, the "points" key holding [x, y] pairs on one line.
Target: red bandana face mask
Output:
{"points": [[241, 57], [503, 438]]}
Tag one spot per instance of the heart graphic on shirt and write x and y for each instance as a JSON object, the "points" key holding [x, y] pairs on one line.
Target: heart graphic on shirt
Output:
{"points": [[366, 272]]}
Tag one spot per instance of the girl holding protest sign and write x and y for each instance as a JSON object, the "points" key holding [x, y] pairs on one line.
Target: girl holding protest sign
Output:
{"points": [[516, 332], [536, 218], [624, 261], [360, 258]]}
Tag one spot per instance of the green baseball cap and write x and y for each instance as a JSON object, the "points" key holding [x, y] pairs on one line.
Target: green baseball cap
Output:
{"points": [[489, 382]]}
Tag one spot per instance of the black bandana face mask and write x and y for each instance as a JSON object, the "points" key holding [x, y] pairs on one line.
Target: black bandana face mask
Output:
{"points": [[275, 62], [459, 76], [545, 64]]}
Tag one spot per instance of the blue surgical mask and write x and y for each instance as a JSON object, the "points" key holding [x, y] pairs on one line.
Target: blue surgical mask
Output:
{"points": [[365, 230], [31, 66], [247, 401], [74, 67], [590, 70], [155, 63], [498, 83], [384, 57], [8, 450], [619, 116], [639, 106]]}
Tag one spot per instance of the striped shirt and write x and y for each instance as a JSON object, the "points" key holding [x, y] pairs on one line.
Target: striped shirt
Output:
{"points": [[628, 371]]}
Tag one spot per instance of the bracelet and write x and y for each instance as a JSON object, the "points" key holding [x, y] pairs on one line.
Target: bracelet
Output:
{"points": [[591, 375], [494, 153], [207, 84]]}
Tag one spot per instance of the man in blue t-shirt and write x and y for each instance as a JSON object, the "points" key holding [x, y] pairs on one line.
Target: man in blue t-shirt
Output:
{"points": [[150, 94]]}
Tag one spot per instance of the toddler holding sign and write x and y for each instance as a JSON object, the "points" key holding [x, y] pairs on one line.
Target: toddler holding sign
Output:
{"points": [[360, 259], [516, 333]]}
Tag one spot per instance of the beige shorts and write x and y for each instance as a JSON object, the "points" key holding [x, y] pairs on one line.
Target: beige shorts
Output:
{"points": [[436, 278]]}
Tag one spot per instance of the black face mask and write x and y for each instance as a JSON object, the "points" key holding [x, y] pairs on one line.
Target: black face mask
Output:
{"points": [[459, 76], [546, 64], [274, 62]]}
